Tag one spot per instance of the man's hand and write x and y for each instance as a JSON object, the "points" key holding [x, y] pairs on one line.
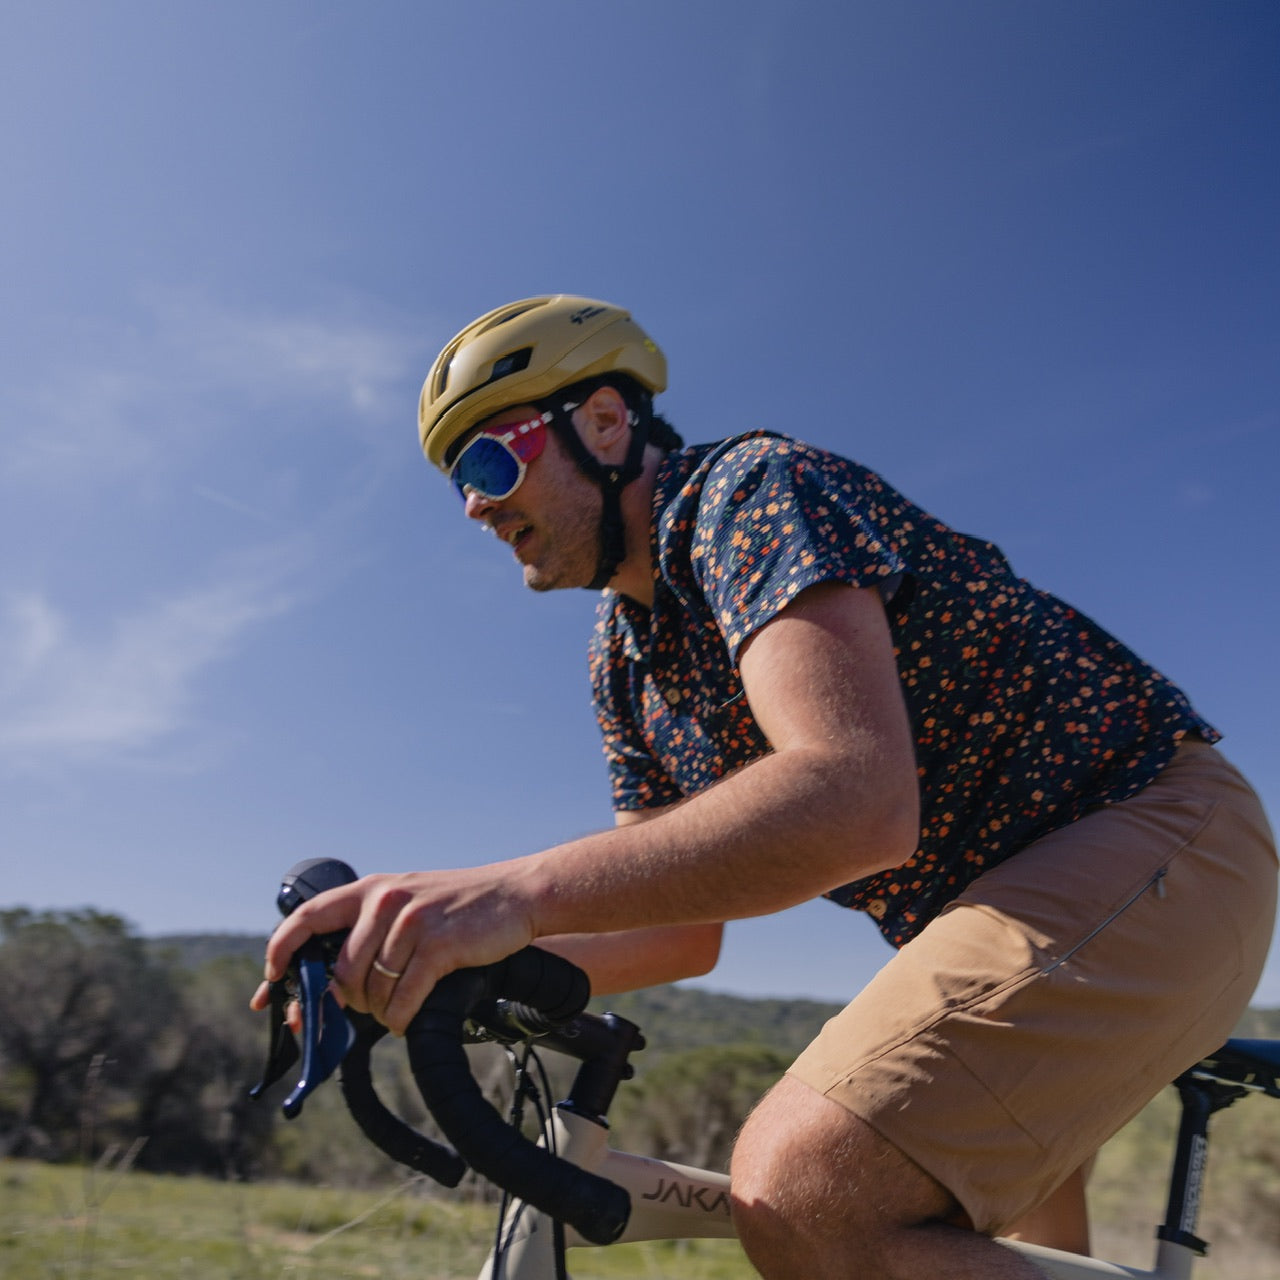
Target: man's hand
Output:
{"points": [[406, 932]]}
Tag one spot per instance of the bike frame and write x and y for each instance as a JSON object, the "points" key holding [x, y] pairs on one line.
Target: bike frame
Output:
{"points": [[668, 1202], [672, 1201], [676, 1202]]}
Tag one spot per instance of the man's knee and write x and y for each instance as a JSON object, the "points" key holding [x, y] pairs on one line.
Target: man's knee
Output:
{"points": [[813, 1183], [779, 1177], [764, 1149], [801, 1156]]}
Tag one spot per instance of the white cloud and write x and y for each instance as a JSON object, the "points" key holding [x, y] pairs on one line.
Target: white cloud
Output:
{"points": [[353, 365], [357, 364], [102, 451], [77, 424], [131, 684], [118, 400]]}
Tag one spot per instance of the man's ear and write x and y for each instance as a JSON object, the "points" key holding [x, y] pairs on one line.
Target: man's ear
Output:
{"points": [[604, 423]]}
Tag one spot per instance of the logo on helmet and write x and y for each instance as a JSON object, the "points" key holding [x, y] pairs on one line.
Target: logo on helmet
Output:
{"points": [[584, 314]]}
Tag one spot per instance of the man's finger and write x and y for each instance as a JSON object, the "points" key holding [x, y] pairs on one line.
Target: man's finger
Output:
{"points": [[329, 911]]}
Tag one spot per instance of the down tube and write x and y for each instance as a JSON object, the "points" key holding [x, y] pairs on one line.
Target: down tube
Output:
{"points": [[668, 1202]]}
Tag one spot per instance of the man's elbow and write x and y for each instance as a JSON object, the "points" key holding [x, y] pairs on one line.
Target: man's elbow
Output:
{"points": [[702, 949], [892, 836]]}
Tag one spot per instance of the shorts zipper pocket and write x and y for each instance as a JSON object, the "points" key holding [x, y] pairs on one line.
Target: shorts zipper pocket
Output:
{"points": [[1156, 882]]}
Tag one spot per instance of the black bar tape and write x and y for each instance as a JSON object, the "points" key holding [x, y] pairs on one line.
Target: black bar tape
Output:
{"points": [[401, 1141], [595, 1207]]}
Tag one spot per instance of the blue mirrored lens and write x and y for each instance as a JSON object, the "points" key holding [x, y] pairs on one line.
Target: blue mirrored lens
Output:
{"points": [[487, 466]]}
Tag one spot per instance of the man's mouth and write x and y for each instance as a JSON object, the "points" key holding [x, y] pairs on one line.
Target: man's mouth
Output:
{"points": [[514, 534]]}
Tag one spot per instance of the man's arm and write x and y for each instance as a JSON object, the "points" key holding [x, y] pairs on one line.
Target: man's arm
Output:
{"points": [[637, 958], [835, 800]]}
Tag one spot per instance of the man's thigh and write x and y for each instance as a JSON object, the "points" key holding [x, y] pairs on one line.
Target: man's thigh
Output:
{"points": [[1041, 1010]]}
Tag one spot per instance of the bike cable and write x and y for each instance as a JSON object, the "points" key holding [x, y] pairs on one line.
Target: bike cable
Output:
{"points": [[537, 1092]]}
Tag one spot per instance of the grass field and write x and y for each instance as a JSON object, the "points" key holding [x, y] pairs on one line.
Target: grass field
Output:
{"points": [[59, 1223], [69, 1223]]}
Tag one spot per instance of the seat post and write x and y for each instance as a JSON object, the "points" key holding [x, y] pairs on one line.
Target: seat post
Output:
{"points": [[1200, 1099]]}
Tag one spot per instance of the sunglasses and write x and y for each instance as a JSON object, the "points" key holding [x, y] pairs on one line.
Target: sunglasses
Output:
{"points": [[494, 460]]}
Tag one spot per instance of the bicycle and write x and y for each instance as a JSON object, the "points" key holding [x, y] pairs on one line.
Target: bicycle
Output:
{"points": [[571, 1189]]}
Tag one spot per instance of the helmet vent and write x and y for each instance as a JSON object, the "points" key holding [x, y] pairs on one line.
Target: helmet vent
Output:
{"points": [[508, 314], [509, 364]]}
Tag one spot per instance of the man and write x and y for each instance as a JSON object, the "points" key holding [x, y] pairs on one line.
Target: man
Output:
{"points": [[809, 686]]}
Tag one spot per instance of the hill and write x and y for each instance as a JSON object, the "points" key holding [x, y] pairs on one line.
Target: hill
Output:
{"points": [[195, 950], [688, 1017], [680, 1018]]}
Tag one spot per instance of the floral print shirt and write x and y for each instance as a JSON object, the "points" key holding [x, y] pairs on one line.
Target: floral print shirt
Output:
{"points": [[1025, 713]]}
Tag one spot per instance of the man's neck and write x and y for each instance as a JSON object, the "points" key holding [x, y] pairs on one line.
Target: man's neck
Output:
{"points": [[635, 575]]}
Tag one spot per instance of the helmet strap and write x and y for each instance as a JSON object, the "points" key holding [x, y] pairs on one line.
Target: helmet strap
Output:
{"points": [[611, 480]]}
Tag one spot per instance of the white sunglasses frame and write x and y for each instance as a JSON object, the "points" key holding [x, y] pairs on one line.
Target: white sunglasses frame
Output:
{"points": [[507, 439]]}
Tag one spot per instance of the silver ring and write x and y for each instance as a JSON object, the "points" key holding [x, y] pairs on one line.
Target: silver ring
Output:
{"points": [[387, 973]]}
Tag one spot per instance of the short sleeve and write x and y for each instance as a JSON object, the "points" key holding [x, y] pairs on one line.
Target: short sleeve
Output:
{"points": [[777, 517]]}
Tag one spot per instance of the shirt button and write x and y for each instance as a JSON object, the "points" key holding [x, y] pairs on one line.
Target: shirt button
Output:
{"points": [[877, 908], [672, 695]]}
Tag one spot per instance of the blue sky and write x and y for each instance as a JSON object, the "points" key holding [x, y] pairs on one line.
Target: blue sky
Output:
{"points": [[1022, 258]]}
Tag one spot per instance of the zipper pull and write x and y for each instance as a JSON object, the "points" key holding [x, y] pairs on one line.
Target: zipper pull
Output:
{"points": [[1159, 881]]}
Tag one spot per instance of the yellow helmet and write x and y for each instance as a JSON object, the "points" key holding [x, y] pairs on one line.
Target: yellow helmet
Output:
{"points": [[522, 353]]}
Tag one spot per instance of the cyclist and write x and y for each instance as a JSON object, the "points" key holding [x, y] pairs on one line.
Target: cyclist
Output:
{"points": [[809, 686]]}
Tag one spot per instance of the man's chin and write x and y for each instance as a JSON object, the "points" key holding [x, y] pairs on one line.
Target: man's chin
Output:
{"points": [[537, 581], [544, 582]]}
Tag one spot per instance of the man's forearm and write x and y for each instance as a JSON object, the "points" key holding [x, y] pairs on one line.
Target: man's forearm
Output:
{"points": [[784, 829], [640, 957]]}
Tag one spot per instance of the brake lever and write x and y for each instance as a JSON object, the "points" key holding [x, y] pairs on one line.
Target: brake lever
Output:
{"points": [[327, 1033], [282, 1048]]}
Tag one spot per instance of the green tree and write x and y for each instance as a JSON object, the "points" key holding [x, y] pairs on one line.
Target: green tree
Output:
{"points": [[80, 1004], [690, 1106], [192, 1102]]}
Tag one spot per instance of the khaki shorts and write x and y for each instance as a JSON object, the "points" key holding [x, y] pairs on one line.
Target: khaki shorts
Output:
{"points": [[1063, 989]]}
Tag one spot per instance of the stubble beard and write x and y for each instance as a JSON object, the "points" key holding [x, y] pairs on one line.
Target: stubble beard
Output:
{"points": [[572, 546]]}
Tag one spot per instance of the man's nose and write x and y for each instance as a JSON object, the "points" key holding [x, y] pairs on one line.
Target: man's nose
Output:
{"points": [[476, 505]]}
